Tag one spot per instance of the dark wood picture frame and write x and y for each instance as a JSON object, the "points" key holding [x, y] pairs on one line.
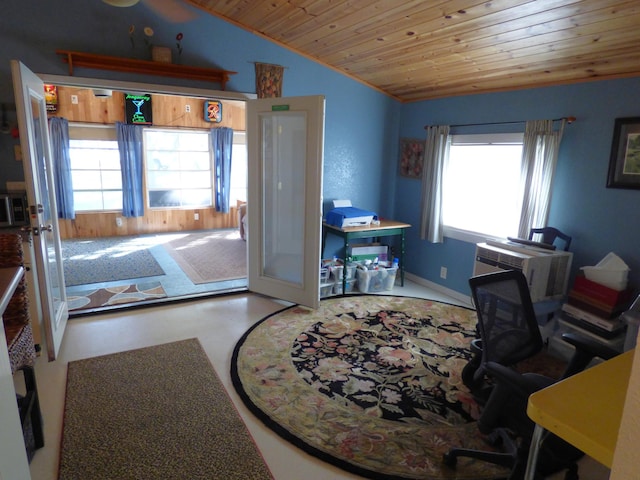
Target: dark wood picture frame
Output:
{"points": [[411, 157], [624, 164]]}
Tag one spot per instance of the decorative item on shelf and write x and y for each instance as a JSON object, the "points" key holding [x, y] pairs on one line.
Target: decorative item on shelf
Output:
{"points": [[213, 111], [179, 38], [269, 80], [161, 54], [411, 157]]}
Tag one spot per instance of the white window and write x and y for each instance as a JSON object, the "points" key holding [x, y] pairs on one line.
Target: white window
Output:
{"points": [[482, 193], [179, 168], [95, 169]]}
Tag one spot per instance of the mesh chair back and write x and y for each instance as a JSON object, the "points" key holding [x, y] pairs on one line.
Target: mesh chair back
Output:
{"points": [[506, 319]]}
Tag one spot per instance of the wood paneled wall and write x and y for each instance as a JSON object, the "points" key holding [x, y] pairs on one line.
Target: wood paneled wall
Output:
{"points": [[168, 111], [95, 225]]}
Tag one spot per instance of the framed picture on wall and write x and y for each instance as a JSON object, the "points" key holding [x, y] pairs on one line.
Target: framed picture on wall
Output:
{"points": [[411, 157], [624, 164]]}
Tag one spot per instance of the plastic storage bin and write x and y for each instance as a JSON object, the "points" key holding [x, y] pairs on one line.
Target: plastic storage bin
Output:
{"points": [[324, 274], [326, 289], [350, 285], [337, 271], [379, 280]]}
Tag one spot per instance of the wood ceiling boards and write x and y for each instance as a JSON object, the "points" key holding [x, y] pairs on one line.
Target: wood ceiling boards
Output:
{"points": [[418, 49]]}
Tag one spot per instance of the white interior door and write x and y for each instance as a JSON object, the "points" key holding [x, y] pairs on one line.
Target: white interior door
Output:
{"points": [[37, 163], [285, 149]]}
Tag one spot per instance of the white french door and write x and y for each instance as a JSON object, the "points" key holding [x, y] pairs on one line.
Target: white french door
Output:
{"points": [[38, 171], [285, 151]]}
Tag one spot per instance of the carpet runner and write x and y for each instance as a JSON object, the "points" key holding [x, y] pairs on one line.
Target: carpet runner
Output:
{"points": [[154, 413]]}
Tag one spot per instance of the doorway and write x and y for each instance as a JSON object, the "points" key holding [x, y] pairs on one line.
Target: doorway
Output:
{"points": [[167, 232]]}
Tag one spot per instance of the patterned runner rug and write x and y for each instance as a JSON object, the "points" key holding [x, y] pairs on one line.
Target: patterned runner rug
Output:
{"points": [[106, 297], [369, 383], [154, 413]]}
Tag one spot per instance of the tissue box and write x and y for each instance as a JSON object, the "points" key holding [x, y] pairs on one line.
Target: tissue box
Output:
{"points": [[611, 271]]}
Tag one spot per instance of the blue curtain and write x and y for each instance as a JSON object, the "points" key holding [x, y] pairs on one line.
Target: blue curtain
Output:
{"points": [[222, 145], [59, 136], [130, 147]]}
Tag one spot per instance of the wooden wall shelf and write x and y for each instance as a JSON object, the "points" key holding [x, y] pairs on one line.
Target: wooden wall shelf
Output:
{"points": [[104, 62]]}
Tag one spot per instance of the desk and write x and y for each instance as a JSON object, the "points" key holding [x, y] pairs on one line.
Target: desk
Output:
{"points": [[386, 228], [584, 410]]}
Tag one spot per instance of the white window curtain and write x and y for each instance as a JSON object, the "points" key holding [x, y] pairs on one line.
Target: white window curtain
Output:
{"points": [[436, 153], [539, 158]]}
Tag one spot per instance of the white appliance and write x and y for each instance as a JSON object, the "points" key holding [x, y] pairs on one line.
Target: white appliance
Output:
{"points": [[547, 271]]}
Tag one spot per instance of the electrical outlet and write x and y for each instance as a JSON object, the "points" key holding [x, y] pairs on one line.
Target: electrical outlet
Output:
{"points": [[187, 108], [74, 99], [443, 272], [196, 216], [118, 221]]}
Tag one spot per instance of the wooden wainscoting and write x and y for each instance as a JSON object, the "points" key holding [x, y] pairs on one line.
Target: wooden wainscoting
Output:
{"points": [[95, 225]]}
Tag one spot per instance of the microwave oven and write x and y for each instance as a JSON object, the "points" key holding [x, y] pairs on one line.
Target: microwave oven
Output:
{"points": [[14, 210]]}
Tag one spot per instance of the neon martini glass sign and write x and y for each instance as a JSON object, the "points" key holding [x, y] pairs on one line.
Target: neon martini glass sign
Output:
{"points": [[140, 113]]}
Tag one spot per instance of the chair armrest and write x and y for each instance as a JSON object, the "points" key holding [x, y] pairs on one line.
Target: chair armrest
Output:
{"points": [[522, 384], [586, 350]]}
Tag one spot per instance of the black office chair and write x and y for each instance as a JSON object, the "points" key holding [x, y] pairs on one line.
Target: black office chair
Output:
{"points": [[552, 236], [509, 334]]}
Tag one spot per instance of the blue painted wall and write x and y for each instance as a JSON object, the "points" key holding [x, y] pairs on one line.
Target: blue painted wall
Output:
{"points": [[361, 123], [363, 126], [600, 220]]}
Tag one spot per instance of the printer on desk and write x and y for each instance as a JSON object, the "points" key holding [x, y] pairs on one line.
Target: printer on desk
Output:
{"points": [[344, 215]]}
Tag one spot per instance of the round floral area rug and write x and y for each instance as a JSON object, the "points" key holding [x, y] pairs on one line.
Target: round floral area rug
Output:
{"points": [[369, 383]]}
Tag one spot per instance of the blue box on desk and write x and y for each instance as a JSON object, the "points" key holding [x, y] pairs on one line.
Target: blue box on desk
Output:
{"points": [[350, 217]]}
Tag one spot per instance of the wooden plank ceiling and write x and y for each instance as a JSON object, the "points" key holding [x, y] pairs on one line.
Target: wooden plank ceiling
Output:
{"points": [[424, 49]]}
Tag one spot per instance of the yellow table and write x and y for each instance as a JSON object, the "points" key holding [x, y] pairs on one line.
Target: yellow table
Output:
{"points": [[584, 410]]}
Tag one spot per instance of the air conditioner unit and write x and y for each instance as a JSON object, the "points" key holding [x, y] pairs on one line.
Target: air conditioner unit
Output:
{"points": [[547, 271]]}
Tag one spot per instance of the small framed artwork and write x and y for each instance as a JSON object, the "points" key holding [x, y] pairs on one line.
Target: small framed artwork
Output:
{"points": [[213, 111], [411, 157], [624, 164]]}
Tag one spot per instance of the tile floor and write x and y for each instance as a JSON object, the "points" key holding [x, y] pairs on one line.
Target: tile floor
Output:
{"points": [[218, 323]]}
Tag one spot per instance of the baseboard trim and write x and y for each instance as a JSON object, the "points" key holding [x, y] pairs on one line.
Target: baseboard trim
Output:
{"points": [[464, 299]]}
